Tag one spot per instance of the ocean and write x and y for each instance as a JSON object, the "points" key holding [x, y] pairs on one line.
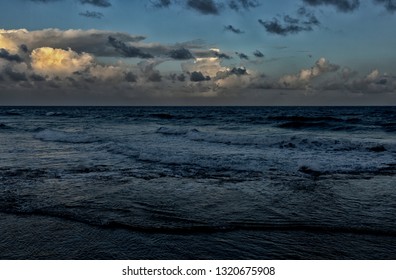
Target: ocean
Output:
{"points": [[198, 182]]}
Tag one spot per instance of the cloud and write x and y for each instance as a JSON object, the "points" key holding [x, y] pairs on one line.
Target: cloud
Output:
{"points": [[242, 56], [205, 7], [181, 54], [161, 3], [290, 25], [341, 5], [44, 1], [90, 41], [237, 5], [233, 29], [127, 50], [198, 77], [390, 5], [53, 62], [238, 71], [305, 76], [257, 53], [4, 54], [92, 14], [98, 3], [14, 75]]}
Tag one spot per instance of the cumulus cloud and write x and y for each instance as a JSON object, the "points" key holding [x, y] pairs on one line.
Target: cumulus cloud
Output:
{"points": [[91, 41], [92, 14], [305, 76], [233, 29], [50, 61], [340, 5], [291, 25]]}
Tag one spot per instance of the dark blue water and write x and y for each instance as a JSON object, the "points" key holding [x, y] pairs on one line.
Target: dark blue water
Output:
{"points": [[198, 182]]}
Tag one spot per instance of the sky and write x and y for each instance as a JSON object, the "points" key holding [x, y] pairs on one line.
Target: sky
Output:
{"points": [[198, 52]]}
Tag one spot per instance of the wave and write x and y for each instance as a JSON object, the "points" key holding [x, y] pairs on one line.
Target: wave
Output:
{"points": [[63, 136], [4, 126], [175, 130], [303, 119], [55, 114], [194, 227]]}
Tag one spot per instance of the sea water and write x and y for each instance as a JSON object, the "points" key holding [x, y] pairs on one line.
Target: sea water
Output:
{"points": [[197, 182]]}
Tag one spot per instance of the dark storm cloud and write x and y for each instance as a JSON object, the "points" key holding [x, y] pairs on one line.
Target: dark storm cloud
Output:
{"points": [[341, 5], [257, 53], [181, 54], [197, 76], [91, 14], [291, 25], [127, 51], [15, 76], [237, 5], [233, 29], [98, 3], [4, 54], [389, 5], [242, 56], [205, 7]]}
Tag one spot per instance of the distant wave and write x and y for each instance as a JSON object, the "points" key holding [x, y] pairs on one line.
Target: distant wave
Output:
{"points": [[63, 136]]}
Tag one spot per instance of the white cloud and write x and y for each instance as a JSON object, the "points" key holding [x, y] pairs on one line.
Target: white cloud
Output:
{"points": [[54, 62]]}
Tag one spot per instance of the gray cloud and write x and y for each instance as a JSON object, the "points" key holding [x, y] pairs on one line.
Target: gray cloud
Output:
{"points": [[24, 48], [237, 5], [221, 55], [92, 14], [233, 29], [290, 25], [390, 5], [257, 53], [98, 3], [181, 54], [44, 1], [4, 54], [161, 3], [197, 76], [341, 5], [130, 77], [127, 50], [205, 7], [242, 56], [15, 76], [37, 78], [237, 71]]}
